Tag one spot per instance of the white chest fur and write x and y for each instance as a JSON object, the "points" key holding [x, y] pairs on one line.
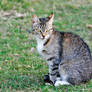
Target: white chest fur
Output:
{"points": [[40, 46]]}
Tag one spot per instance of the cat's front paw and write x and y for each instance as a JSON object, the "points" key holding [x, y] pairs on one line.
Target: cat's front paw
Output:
{"points": [[58, 83], [47, 80]]}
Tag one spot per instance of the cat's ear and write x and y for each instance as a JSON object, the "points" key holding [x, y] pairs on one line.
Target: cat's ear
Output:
{"points": [[51, 17], [35, 19]]}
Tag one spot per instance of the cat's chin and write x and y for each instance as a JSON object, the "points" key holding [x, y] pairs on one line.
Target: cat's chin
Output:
{"points": [[46, 37]]}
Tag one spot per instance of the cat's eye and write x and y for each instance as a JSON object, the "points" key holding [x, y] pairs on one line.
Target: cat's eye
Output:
{"points": [[38, 30], [46, 31]]}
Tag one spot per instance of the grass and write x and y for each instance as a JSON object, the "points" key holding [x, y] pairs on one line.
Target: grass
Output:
{"points": [[21, 69]]}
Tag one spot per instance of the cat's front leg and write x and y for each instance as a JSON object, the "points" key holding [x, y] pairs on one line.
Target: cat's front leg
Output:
{"points": [[54, 72], [47, 80]]}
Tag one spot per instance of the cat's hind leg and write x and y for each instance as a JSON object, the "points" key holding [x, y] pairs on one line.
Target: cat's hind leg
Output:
{"points": [[58, 83], [62, 80]]}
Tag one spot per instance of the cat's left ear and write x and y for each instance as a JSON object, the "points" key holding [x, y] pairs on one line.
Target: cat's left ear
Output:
{"points": [[35, 19], [51, 17]]}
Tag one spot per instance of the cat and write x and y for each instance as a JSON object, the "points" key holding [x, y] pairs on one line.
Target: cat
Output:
{"points": [[67, 55]]}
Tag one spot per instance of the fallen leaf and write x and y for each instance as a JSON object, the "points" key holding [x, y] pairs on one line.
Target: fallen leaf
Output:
{"points": [[6, 14], [32, 9], [16, 55], [89, 25], [32, 50], [12, 15], [20, 15]]}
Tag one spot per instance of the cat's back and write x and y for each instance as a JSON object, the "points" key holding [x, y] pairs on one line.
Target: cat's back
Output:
{"points": [[76, 58], [71, 45]]}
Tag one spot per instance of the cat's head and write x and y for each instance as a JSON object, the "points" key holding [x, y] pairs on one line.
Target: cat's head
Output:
{"points": [[42, 27]]}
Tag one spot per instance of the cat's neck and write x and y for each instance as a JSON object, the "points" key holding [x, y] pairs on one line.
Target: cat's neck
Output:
{"points": [[40, 45], [42, 41]]}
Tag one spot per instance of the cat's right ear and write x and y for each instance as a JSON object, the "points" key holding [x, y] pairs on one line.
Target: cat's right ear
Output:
{"points": [[50, 21], [35, 19]]}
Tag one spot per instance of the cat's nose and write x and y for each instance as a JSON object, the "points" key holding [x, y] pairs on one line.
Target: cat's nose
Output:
{"points": [[44, 34]]}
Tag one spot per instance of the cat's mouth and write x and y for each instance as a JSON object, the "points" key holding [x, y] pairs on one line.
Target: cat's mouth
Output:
{"points": [[42, 37]]}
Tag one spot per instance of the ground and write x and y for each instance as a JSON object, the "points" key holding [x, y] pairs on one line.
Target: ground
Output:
{"points": [[21, 68]]}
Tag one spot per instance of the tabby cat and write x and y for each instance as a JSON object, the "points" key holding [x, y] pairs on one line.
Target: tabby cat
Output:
{"points": [[67, 55]]}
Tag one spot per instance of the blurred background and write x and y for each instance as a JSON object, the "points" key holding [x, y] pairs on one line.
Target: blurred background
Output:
{"points": [[21, 68]]}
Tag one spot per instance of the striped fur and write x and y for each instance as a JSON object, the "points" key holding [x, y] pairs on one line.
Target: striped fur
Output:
{"points": [[67, 55]]}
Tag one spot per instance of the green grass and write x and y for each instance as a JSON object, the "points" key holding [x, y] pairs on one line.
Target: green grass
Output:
{"points": [[22, 70]]}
